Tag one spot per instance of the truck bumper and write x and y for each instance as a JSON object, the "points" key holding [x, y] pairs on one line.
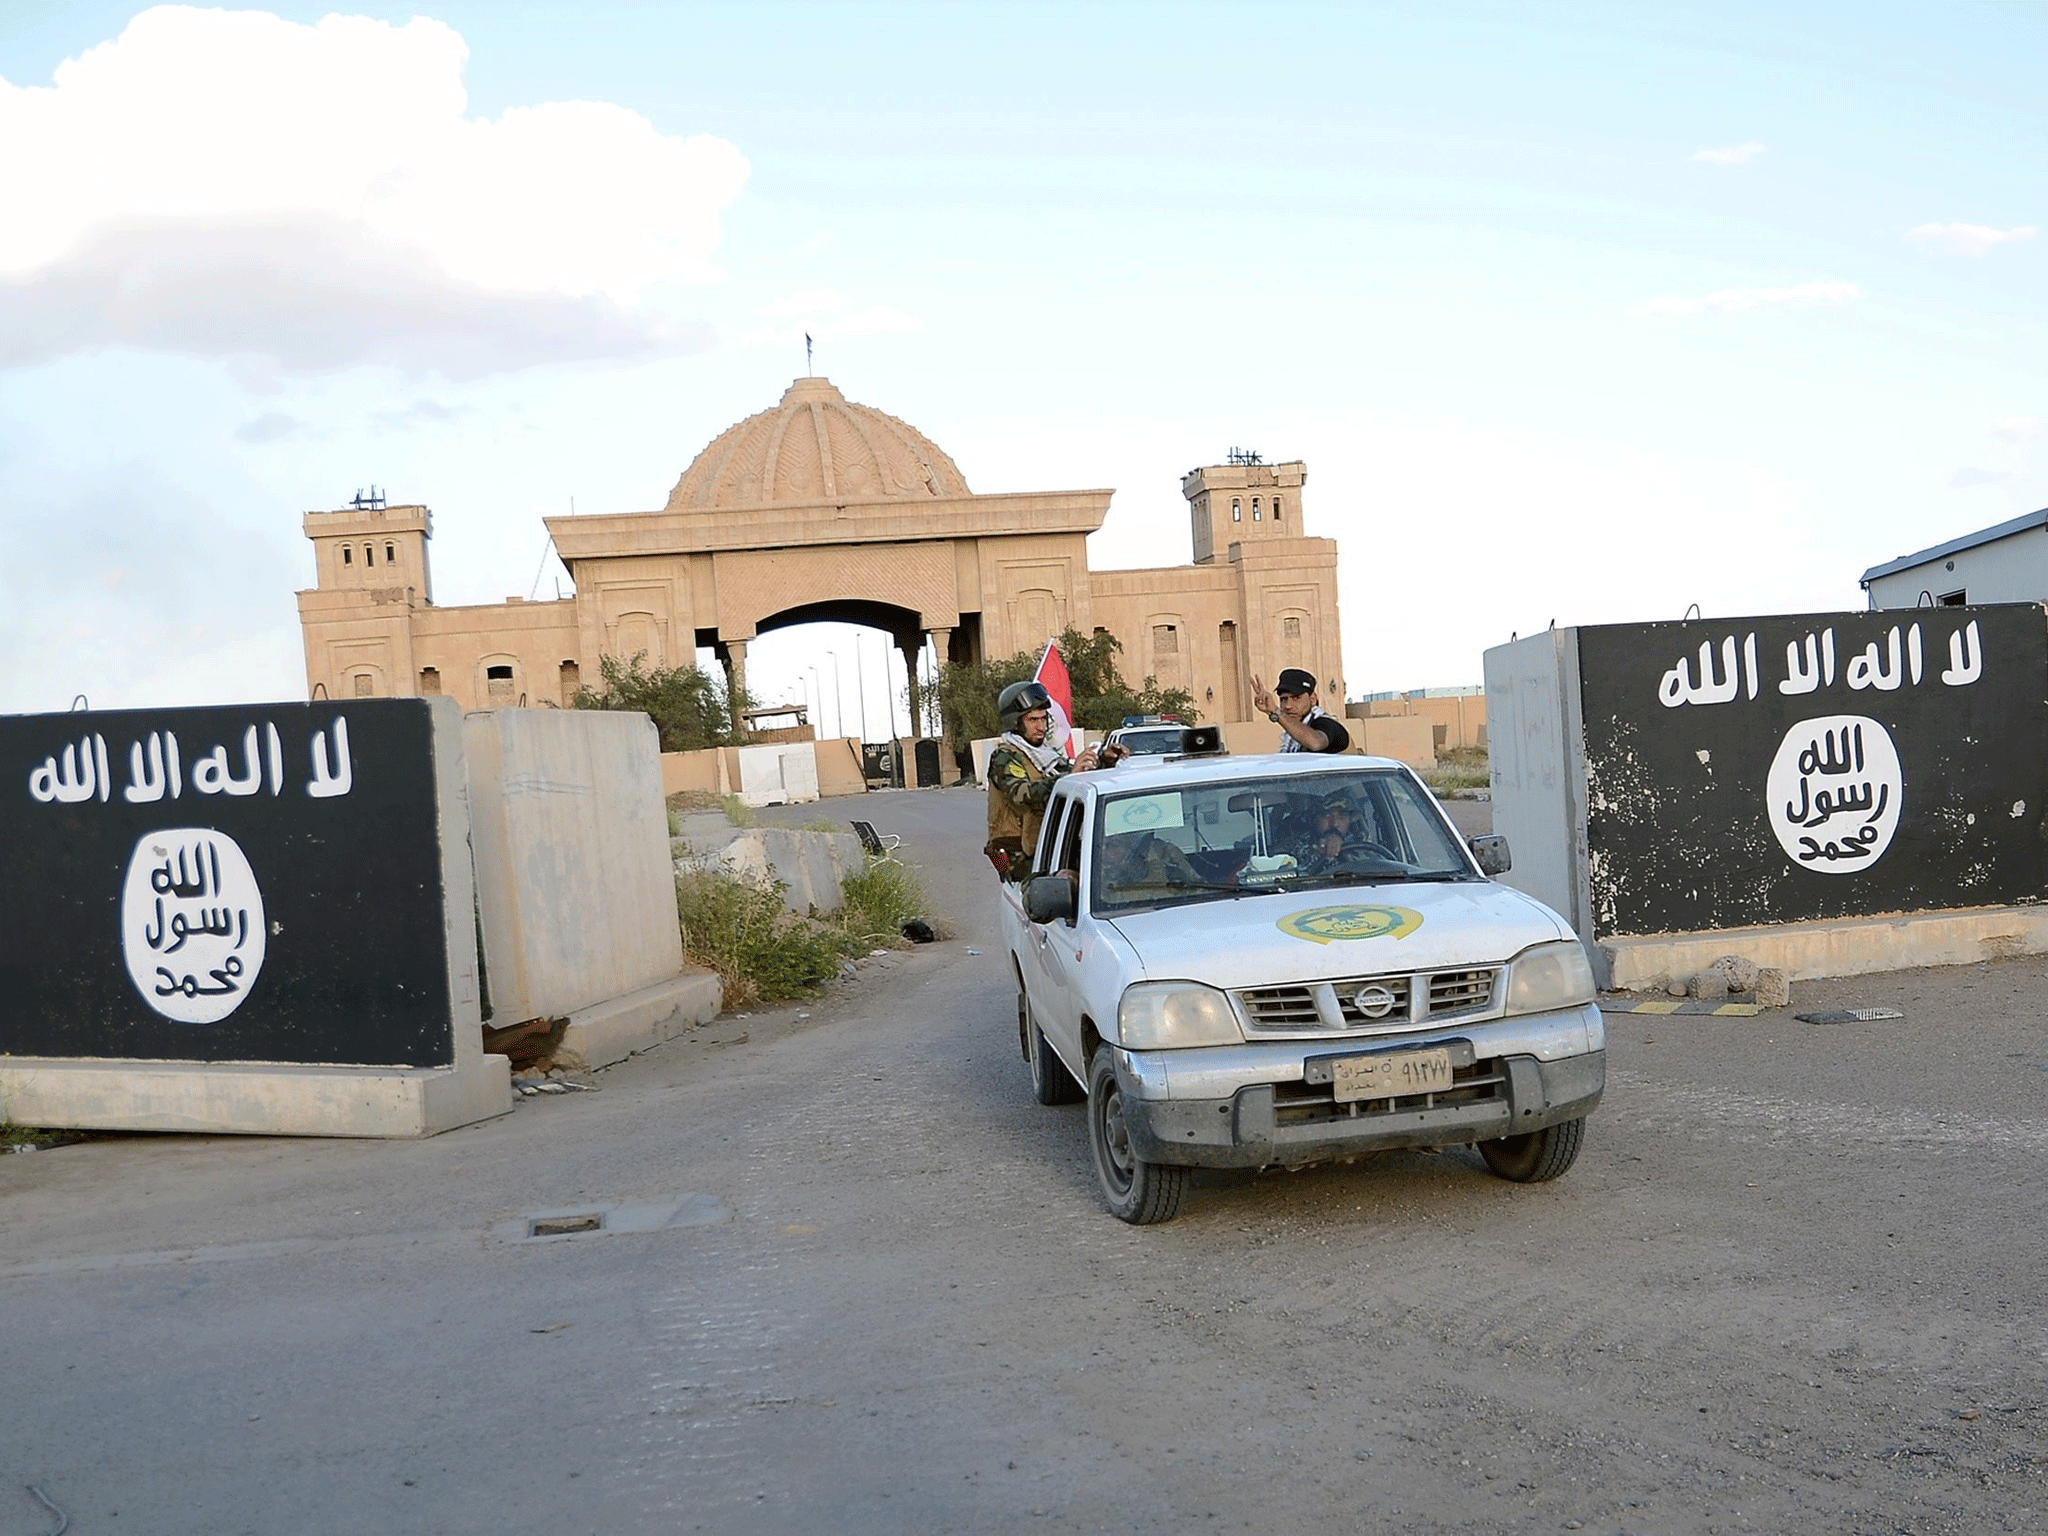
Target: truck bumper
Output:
{"points": [[1258, 1106]]}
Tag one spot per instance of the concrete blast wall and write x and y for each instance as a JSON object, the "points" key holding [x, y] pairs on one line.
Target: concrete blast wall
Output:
{"points": [[1831, 793], [571, 836], [251, 918]]}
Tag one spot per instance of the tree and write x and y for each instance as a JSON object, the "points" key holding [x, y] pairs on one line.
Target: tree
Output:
{"points": [[1101, 696], [688, 706]]}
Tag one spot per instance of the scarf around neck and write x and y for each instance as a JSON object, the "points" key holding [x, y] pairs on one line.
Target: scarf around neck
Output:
{"points": [[1043, 758]]}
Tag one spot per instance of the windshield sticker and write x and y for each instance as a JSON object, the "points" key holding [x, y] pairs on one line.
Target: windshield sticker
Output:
{"points": [[1321, 925], [1141, 813]]}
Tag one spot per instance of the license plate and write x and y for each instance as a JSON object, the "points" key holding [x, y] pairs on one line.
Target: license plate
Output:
{"points": [[1391, 1075]]}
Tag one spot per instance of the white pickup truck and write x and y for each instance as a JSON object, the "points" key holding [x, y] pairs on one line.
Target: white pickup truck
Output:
{"points": [[1246, 962]]}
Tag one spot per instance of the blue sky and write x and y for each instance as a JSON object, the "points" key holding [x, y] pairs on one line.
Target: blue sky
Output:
{"points": [[1577, 313]]}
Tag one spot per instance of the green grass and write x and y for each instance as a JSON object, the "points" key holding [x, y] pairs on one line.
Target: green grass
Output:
{"points": [[738, 812], [1459, 768], [763, 952], [12, 1136]]}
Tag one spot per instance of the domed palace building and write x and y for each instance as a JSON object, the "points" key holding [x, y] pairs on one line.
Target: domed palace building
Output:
{"points": [[823, 509]]}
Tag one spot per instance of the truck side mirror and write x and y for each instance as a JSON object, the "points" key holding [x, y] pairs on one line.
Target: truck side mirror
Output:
{"points": [[1491, 850], [1050, 898]]}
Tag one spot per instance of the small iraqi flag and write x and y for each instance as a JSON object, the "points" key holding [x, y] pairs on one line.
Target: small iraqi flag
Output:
{"points": [[1052, 676]]}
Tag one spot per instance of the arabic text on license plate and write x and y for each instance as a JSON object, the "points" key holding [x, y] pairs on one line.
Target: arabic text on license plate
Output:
{"points": [[1391, 1075]]}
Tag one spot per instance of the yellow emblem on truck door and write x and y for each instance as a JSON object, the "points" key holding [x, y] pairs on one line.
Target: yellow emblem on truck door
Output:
{"points": [[1322, 925]]}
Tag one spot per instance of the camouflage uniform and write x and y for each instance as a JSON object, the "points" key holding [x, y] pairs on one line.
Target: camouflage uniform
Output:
{"points": [[1017, 792]]}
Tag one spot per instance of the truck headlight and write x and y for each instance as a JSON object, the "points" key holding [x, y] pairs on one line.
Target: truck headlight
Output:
{"points": [[1168, 1015], [1549, 976]]}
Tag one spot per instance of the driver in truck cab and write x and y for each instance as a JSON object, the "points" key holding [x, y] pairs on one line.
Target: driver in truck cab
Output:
{"points": [[1021, 773]]}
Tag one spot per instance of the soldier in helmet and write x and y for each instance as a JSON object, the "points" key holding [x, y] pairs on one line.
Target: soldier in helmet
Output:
{"points": [[1021, 773]]}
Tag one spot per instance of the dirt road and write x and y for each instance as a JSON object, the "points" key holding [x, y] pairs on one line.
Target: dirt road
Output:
{"points": [[1792, 1286]]}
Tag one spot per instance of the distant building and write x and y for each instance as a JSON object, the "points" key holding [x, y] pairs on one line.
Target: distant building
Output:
{"points": [[2003, 564], [823, 509]]}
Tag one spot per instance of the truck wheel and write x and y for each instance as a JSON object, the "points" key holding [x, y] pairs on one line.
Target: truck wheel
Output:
{"points": [[1137, 1191], [1537, 1156], [1051, 1082]]}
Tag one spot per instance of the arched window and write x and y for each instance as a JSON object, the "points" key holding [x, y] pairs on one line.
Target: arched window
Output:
{"points": [[369, 554], [391, 554], [1236, 510], [1255, 509], [348, 555], [1276, 509]]}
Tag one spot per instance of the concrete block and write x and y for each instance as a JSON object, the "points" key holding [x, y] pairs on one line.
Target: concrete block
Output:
{"points": [[574, 882], [1837, 947], [1740, 971], [810, 865], [617, 1028], [218, 1099], [783, 774]]}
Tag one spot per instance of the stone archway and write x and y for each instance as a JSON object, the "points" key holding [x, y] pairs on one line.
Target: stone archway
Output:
{"points": [[824, 509]]}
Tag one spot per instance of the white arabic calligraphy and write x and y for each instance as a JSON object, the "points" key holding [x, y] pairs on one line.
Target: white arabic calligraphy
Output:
{"points": [[1886, 664], [1834, 793], [78, 771], [192, 926]]}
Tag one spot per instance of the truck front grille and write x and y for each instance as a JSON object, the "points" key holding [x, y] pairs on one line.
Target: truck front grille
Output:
{"points": [[1425, 997], [1300, 1103]]}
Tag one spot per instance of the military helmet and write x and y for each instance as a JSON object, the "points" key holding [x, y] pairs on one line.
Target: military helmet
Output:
{"points": [[1019, 700]]}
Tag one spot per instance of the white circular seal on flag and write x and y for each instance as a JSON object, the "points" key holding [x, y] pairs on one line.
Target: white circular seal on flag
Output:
{"points": [[1834, 793], [192, 926]]}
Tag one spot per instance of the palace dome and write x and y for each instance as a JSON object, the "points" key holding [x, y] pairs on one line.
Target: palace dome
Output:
{"points": [[816, 445]]}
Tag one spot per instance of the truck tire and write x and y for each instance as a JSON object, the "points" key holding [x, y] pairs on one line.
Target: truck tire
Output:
{"points": [[1138, 1192], [1536, 1156]]}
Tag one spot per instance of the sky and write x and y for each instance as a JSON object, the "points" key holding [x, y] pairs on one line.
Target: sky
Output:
{"points": [[1577, 313]]}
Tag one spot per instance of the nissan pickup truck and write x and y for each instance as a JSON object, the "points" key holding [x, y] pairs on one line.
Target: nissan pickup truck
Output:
{"points": [[1276, 961]]}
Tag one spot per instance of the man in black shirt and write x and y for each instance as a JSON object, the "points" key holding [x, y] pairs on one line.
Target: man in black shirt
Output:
{"points": [[1292, 705]]}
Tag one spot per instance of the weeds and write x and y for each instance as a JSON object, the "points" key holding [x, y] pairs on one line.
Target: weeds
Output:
{"points": [[1459, 768], [879, 901], [13, 1136], [738, 812], [763, 952]]}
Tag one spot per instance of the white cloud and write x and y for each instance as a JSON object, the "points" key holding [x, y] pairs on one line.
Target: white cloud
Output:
{"points": [[1965, 479], [421, 413], [307, 294], [2017, 429], [878, 320], [1732, 154], [270, 427], [1727, 300], [300, 154], [1968, 239], [811, 301]]}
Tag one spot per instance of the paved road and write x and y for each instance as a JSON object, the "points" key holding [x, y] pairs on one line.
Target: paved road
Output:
{"points": [[1792, 1286]]}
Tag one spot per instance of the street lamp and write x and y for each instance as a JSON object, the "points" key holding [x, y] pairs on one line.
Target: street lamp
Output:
{"points": [[817, 693], [860, 685], [838, 698]]}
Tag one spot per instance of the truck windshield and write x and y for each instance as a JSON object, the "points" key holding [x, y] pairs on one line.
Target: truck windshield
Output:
{"points": [[1203, 842]]}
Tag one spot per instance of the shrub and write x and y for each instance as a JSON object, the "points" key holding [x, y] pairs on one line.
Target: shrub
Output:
{"points": [[1459, 768], [758, 947], [763, 952], [878, 901]]}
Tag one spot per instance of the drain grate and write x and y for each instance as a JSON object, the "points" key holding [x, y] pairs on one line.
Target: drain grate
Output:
{"points": [[562, 1226], [610, 1218]]}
